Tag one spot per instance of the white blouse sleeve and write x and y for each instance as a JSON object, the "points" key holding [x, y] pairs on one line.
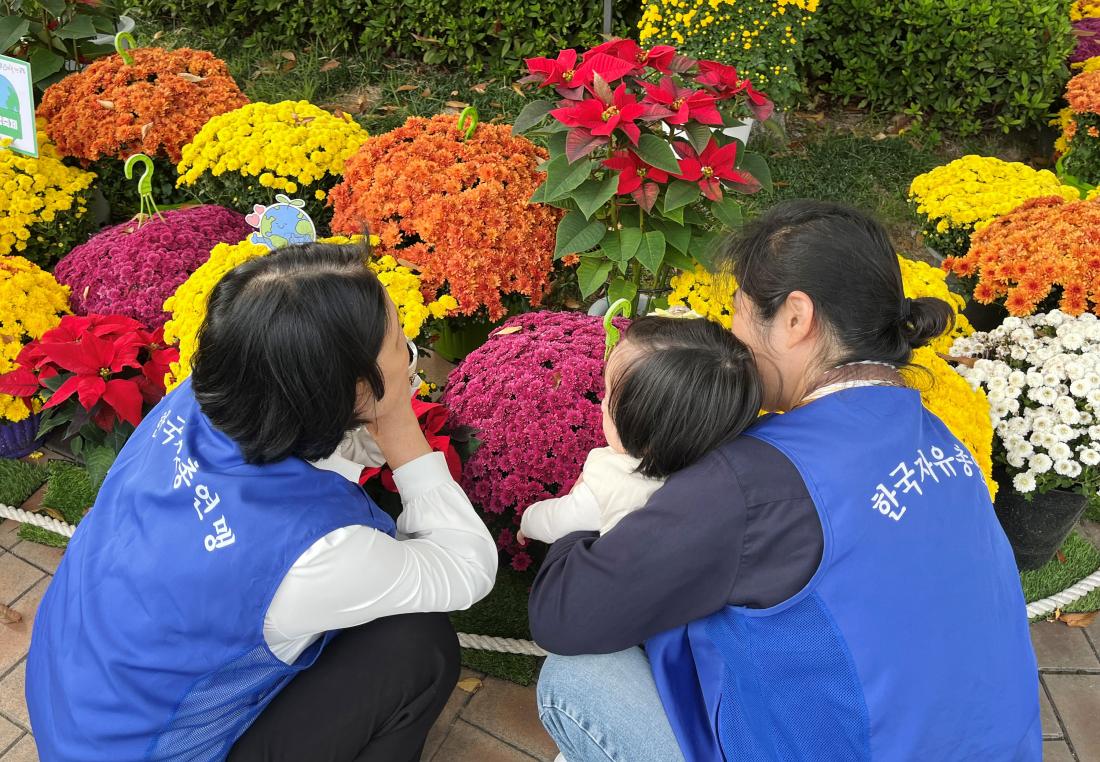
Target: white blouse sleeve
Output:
{"points": [[550, 520], [357, 574]]}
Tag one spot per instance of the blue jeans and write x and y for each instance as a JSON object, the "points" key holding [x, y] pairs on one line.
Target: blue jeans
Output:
{"points": [[605, 709]]}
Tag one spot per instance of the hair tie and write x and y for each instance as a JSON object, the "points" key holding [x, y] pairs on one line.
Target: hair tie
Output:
{"points": [[907, 310]]}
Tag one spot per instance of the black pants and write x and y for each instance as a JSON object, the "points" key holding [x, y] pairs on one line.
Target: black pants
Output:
{"points": [[371, 696]]}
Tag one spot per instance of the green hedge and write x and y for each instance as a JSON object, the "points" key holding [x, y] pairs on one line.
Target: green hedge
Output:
{"points": [[958, 64], [479, 35]]}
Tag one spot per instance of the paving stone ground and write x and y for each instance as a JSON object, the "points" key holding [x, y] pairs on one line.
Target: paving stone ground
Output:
{"points": [[498, 722]]}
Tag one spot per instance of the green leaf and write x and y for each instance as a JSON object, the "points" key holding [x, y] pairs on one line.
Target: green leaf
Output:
{"points": [[630, 240], [703, 246], [77, 29], [592, 274], [699, 135], [678, 236], [593, 194], [12, 29], [757, 166], [54, 7], [657, 153], [533, 113], [563, 177], [45, 62], [577, 234], [679, 261], [621, 288], [680, 194], [98, 461], [652, 252], [556, 144], [612, 249], [728, 212], [675, 215]]}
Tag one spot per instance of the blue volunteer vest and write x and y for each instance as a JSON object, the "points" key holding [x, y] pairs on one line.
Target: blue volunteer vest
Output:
{"points": [[909, 643], [149, 642]]}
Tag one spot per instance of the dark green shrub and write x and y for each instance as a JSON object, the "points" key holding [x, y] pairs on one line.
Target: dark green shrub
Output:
{"points": [[957, 64], [479, 35]]}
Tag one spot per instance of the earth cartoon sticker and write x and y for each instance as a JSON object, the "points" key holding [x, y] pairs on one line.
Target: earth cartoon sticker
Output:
{"points": [[281, 224]]}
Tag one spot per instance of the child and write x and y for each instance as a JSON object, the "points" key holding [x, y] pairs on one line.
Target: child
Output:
{"points": [[674, 390]]}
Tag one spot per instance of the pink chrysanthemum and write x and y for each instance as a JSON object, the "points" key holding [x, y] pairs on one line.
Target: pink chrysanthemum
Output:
{"points": [[127, 270], [533, 396]]}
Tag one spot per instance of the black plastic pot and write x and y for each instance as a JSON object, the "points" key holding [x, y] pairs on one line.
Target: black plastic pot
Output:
{"points": [[984, 317], [1036, 529]]}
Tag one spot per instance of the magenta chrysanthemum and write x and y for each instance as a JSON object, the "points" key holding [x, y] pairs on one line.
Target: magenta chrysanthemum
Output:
{"points": [[127, 270], [533, 396], [1088, 40]]}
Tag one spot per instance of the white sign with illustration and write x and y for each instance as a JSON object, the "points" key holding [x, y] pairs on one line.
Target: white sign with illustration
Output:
{"points": [[281, 224], [17, 106]]}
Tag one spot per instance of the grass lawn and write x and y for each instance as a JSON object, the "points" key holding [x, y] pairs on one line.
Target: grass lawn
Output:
{"points": [[1081, 560]]}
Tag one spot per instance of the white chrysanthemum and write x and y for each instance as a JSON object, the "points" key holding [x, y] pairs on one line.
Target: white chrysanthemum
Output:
{"points": [[1024, 483], [1060, 451], [1043, 423], [1070, 468], [1093, 398], [1090, 456], [1070, 416], [1062, 432], [1044, 395], [1080, 388], [1040, 463]]}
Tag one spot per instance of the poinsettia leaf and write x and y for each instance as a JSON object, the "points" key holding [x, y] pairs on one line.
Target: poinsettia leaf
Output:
{"points": [[678, 236], [681, 64], [703, 246], [52, 419], [652, 251], [89, 390], [630, 240], [576, 234], [592, 273], [98, 461], [533, 113], [611, 249], [562, 177], [593, 194], [679, 261], [579, 142], [556, 144], [728, 212], [20, 382], [125, 397], [646, 196], [675, 216], [757, 166], [80, 418], [679, 194], [621, 288], [12, 29], [53, 382], [699, 135], [656, 152]]}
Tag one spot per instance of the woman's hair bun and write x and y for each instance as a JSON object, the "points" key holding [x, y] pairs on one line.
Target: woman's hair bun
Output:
{"points": [[928, 319]]}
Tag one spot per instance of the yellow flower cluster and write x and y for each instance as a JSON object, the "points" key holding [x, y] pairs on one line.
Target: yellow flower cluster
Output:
{"points": [[31, 303], [40, 191], [188, 305], [1084, 9], [943, 391], [750, 34], [973, 191], [286, 145], [1066, 125]]}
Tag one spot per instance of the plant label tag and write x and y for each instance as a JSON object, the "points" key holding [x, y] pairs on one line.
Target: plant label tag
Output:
{"points": [[284, 223], [17, 106]]}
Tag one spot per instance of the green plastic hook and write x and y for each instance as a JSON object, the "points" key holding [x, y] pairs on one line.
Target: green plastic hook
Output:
{"points": [[621, 307], [467, 121], [124, 53], [145, 186]]}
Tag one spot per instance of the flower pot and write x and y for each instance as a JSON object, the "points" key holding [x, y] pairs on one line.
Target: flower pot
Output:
{"points": [[984, 317], [454, 343], [17, 440], [1036, 529]]}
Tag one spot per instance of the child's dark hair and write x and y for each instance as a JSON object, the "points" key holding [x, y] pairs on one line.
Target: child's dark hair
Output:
{"points": [[689, 387]]}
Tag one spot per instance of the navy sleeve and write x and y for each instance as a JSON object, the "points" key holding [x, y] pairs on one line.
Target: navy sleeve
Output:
{"points": [[680, 557]]}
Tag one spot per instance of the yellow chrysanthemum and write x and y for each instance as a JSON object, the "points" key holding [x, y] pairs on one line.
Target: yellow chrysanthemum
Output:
{"points": [[31, 303], [188, 305], [944, 392]]}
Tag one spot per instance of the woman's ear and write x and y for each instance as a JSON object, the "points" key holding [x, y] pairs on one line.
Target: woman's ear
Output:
{"points": [[795, 319]]}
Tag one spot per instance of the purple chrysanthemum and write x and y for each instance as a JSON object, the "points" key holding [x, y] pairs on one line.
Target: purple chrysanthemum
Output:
{"points": [[534, 397], [126, 270], [1087, 32]]}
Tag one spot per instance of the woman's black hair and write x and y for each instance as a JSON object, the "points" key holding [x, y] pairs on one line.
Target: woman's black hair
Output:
{"points": [[286, 340], [688, 386], [843, 260]]}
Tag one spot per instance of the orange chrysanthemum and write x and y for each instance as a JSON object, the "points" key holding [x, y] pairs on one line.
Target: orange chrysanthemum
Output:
{"points": [[155, 106], [1046, 245], [457, 209], [1083, 93]]}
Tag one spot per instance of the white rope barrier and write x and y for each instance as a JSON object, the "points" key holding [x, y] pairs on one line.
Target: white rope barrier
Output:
{"points": [[1039, 608]]}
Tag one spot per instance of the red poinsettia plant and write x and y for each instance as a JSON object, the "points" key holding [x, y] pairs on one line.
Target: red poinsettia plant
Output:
{"points": [[643, 158], [97, 373], [455, 444]]}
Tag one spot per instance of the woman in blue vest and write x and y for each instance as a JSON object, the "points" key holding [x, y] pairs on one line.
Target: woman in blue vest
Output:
{"points": [[834, 584], [233, 592]]}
